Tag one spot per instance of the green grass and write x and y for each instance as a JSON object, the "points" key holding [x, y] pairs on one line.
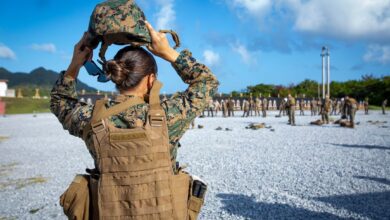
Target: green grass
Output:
{"points": [[374, 107], [26, 105]]}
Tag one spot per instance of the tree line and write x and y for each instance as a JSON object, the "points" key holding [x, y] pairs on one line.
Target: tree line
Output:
{"points": [[376, 89]]}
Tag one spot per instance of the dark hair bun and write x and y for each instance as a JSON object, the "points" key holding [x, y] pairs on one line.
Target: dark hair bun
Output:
{"points": [[115, 71], [129, 66]]}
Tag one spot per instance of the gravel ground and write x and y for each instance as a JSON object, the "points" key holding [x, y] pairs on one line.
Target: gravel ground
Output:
{"points": [[302, 172]]}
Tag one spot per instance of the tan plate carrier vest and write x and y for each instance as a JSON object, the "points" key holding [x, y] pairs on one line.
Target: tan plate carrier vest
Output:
{"points": [[136, 177]]}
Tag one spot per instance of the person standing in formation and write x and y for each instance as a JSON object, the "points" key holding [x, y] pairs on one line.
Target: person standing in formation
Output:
{"points": [[319, 106], [217, 107], [230, 106], [302, 107], [384, 104], [282, 107], [245, 107], [224, 108], [334, 107], [257, 107], [365, 103], [291, 109], [264, 105], [313, 105], [210, 108], [326, 105]]}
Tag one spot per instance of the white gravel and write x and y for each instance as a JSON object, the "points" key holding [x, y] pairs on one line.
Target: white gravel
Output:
{"points": [[302, 172]]}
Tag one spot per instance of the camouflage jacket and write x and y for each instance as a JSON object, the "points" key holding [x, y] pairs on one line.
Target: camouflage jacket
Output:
{"points": [[181, 109]]}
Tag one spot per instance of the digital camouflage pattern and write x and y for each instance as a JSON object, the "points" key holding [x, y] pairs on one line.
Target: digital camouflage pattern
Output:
{"points": [[181, 109], [120, 17]]}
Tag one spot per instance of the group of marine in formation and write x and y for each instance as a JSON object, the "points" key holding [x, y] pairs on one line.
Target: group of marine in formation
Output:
{"points": [[346, 107]]}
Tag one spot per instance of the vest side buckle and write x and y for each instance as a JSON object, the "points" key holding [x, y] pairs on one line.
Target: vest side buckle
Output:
{"points": [[156, 120], [98, 127]]}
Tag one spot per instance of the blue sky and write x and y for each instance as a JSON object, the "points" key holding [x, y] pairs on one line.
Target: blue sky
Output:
{"points": [[244, 42]]}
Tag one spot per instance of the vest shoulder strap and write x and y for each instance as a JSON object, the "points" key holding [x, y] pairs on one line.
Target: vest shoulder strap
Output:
{"points": [[154, 97], [100, 111]]}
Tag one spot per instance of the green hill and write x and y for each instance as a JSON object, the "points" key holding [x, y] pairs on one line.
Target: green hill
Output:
{"points": [[38, 78]]}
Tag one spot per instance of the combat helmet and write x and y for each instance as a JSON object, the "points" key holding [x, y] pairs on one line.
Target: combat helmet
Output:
{"points": [[119, 22]]}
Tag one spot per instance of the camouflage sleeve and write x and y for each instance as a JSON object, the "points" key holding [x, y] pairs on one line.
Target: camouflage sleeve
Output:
{"points": [[64, 104], [183, 107]]}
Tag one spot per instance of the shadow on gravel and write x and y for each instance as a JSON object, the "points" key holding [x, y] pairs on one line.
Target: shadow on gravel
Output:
{"points": [[247, 207], [372, 205], [376, 179], [363, 146]]}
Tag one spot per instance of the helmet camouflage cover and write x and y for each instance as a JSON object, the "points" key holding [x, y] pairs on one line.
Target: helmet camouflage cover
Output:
{"points": [[119, 22]]}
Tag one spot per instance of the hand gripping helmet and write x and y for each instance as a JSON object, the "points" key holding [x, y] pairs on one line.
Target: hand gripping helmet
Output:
{"points": [[119, 22]]}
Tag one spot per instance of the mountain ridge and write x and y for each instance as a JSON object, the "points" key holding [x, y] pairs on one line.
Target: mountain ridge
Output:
{"points": [[38, 77]]}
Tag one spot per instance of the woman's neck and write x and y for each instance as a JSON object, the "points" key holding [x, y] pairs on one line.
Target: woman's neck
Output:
{"points": [[132, 93]]}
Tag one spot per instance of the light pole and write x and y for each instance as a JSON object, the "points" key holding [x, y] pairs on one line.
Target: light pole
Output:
{"points": [[325, 55]]}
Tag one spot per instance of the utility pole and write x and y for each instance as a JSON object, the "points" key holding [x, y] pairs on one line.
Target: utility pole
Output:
{"points": [[325, 55], [328, 78]]}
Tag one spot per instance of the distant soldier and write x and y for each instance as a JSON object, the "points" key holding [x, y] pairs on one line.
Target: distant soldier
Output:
{"points": [[230, 107], [282, 107], [334, 107], [365, 104], [251, 106], [350, 108], [257, 107], [264, 106], [302, 107], [238, 105], [224, 108], [384, 103], [319, 106], [217, 107], [210, 108], [326, 105], [341, 107], [291, 109], [245, 107], [313, 106]]}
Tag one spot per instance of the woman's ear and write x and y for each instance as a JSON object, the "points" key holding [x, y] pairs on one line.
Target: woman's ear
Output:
{"points": [[151, 79]]}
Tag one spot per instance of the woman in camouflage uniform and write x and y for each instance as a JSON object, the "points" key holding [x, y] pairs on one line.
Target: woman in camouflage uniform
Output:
{"points": [[181, 109]]}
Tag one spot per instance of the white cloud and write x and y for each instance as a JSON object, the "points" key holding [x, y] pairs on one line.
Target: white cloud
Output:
{"points": [[245, 55], [346, 19], [166, 16], [254, 7], [211, 58], [48, 47], [378, 54], [6, 52]]}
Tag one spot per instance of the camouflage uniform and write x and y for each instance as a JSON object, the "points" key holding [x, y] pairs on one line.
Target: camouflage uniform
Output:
{"points": [[326, 105], [181, 109], [366, 106], [291, 110], [350, 108], [245, 107], [282, 108], [230, 106], [302, 107], [210, 108], [264, 106], [313, 106]]}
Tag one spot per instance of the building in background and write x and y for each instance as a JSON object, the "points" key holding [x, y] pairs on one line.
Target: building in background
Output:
{"points": [[4, 91], [3, 87]]}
